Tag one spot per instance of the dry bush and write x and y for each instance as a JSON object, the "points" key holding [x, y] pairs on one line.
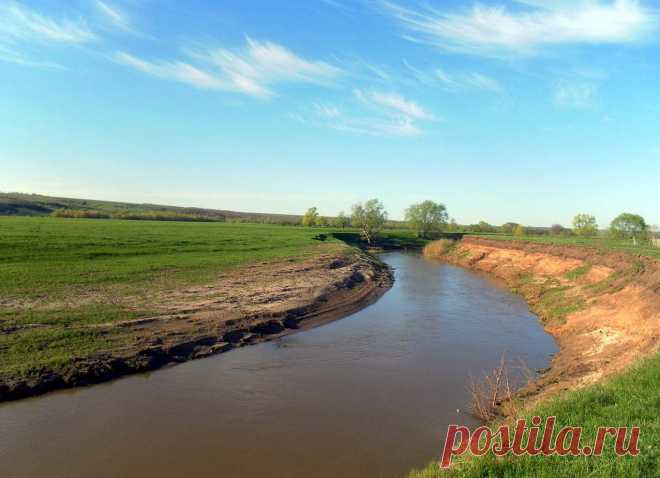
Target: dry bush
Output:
{"points": [[438, 248], [493, 395]]}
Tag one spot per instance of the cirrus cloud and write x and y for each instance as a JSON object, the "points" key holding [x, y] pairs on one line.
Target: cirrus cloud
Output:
{"points": [[251, 71], [500, 31]]}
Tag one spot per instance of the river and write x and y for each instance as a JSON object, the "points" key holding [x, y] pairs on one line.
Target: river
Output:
{"points": [[369, 395]]}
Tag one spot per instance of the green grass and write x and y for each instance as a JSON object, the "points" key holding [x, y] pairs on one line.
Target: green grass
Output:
{"points": [[59, 276], [630, 399], [51, 256], [597, 242], [578, 271]]}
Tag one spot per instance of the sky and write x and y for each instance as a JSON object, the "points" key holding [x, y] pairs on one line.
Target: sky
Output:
{"points": [[524, 110]]}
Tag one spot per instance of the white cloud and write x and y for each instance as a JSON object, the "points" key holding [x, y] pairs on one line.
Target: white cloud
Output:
{"points": [[374, 126], [574, 93], [393, 102], [326, 111], [482, 82], [18, 24], [373, 113], [250, 71], [172, 70], [498, 31], [21, 30], [114, 15], [454, 82]]}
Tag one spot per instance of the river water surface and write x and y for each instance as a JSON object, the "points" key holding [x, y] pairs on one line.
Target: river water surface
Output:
{"points": [[370, 395]]}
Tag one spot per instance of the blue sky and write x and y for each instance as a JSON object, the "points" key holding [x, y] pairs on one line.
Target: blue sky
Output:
{"points": [[528, 111]]}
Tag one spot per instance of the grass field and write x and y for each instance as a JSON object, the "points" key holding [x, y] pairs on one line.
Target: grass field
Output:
{"points": [[56, 274], [631, 399], [598, 242]]}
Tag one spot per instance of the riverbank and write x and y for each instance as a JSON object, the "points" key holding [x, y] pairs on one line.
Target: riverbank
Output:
{"points": [[111, 299], [603, 309]]}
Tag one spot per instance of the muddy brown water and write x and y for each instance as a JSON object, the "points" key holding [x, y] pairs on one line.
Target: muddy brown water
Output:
{"points": [[370, 395]]}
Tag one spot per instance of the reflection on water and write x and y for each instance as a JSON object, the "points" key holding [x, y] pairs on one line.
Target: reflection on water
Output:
{"points": [[370, 395]]}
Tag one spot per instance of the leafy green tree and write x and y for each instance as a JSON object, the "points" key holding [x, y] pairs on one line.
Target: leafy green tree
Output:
{"points": [[585, 225], [341, 220], [320, 221], [452, 226], [483, 226], [519, 230], [369, 218], [310, 217], [508, 227], [427, 217], [628, 225]]}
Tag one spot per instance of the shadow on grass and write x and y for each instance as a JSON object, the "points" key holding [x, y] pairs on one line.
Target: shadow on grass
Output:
{"points": [[390, 240]]}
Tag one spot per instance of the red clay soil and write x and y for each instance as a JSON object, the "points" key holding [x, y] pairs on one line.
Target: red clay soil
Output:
{"points": [[602, 307]]}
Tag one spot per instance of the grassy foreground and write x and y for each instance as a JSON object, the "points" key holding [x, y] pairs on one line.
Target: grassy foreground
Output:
{"points": [[58, 276], [630, 399]]}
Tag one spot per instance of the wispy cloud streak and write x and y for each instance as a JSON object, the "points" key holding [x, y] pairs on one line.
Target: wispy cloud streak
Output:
{"points": [[373, 113], [252, 70], [500, 31], [19, 24], [114, 15]]}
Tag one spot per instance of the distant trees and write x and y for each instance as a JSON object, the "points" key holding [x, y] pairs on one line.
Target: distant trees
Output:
{"points": [[630, 226], [341, 220], [79, 214], [426, 217], [453, 225], [519, 230], [310, 217], [369, 218], [558, 230], [483, 226], [585, 225], [508, 227], [320, 221]]}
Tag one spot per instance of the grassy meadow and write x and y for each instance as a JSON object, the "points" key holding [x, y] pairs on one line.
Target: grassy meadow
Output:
{"points": [[58, 274], [605, 243], [629, 399]]}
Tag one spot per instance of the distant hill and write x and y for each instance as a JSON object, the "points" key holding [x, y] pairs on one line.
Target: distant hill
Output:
{"points": [[20, 204]]}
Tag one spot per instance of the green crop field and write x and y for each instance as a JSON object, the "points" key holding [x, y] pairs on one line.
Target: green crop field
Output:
{"points": [[597, 242], [57, 273], [52, 256]]}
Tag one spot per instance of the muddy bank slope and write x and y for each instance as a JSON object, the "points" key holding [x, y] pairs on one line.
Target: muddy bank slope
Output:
{"points": [[246, 306], [602, 307]]}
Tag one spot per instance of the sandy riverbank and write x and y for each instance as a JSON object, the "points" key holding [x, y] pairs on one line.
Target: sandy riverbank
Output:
{"points": [[246, 306]]}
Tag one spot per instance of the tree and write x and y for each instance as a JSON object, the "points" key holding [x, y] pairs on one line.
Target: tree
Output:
{"points": [[585, 225], [427, 217], [508, 227], [557, 230], [453, 225], [369, 217], [309, 219], [341, 220], [483, 226], [519, 230], [320, 221], [629, 226]]}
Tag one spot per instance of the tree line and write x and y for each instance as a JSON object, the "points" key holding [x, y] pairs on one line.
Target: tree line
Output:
{"points": [[430, 218]]}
